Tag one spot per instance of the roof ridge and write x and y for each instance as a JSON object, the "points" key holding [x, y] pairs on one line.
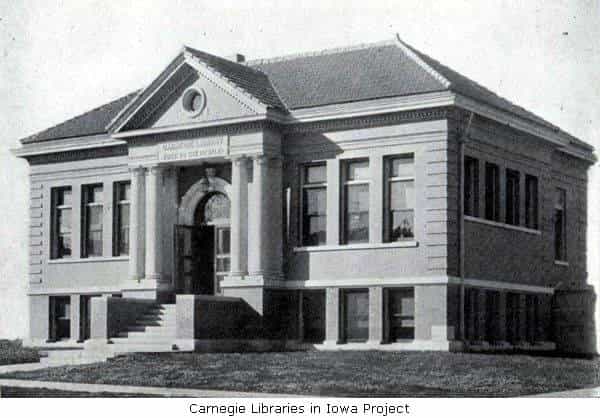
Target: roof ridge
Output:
{"points": [[241, 64], [327, 51], [478, 85], [232, 83], [412, 53]]}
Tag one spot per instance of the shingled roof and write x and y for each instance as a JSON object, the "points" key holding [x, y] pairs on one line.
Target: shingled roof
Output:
{"points": [[364, 72], [349, 75], [253, 81], [93, 122]]}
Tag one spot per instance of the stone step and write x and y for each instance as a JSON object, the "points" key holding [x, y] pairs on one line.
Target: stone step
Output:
{"points": [[150, 332], [161, 312], [144, 348], [144, 328], [69, 357], [154, 322], [143, 340]]}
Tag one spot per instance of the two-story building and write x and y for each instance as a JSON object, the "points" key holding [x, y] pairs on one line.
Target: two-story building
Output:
{"points": [[364, 197]]}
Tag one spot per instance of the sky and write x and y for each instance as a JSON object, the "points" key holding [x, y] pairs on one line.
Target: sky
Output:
{"points": [[61, 58]]}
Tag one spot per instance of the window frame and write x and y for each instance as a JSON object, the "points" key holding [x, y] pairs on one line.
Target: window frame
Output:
{"points": [[389, 179], [56, 215], [560, 254], [492, 195], [532, 213], [85, 228], [304, 185], [471, 201], [345, 311], [409, 293], [345, 184], [118, 203], [512, 213]]}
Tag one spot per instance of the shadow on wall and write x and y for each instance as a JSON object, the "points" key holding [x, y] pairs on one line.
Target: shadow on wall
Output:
{"points": [[574, 319]]}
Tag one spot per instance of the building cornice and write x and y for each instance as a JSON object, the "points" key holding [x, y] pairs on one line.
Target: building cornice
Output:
{"points": [[67, 144], [331, 117]]}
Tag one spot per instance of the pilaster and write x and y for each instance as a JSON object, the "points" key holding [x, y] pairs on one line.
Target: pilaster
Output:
{"points": [[333, 202], [332, 315], [376, 199], [153, 224], [239, 216], [256, 215], [76, 318], [136, 221], [376, 315]]}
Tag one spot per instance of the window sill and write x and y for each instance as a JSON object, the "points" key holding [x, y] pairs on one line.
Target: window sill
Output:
{"points": [[503, 225], [367, 246], [87, 260], [561, 263]]}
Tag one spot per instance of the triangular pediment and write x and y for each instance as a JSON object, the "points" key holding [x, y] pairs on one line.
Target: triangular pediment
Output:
{"points": [[188, 92]]}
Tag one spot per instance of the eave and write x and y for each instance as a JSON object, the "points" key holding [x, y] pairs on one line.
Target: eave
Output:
{"points": [[67, 144]]}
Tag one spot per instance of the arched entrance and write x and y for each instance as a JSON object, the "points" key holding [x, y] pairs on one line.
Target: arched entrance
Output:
{"points": [[202, 239]]}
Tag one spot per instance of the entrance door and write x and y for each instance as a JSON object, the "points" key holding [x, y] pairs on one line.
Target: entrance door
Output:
{"points": [[194, 247]]}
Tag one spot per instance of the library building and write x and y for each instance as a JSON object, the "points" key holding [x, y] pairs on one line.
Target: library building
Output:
{"points": [[365, 197]]}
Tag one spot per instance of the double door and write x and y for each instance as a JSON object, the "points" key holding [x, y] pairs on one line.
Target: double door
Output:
{"points": [[203, 258]]}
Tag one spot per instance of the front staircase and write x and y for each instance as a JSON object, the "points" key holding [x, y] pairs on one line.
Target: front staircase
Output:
{"points": [[152, 332]]}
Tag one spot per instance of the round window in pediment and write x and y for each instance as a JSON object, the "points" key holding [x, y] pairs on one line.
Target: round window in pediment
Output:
{"points": [[194, 101]]}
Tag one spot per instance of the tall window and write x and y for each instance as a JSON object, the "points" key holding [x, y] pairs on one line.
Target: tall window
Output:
{"points": [[531, 202], [400, 220], [492, 192], [512, 197], [355, 315], [314, 205], [61, 222], [121, 223], [356, 202], [401, 314], [560, 225], [471, 192], [92, 221]]}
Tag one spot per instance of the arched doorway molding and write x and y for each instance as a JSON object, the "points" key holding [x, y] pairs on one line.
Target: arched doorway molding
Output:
{"points": [[196, 194]]}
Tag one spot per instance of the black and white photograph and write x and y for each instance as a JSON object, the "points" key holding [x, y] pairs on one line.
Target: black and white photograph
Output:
{"points": [[316, 208]]}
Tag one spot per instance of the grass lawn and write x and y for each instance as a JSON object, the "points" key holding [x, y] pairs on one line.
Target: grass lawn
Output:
{"points": [[368, 373], [13, 352]]}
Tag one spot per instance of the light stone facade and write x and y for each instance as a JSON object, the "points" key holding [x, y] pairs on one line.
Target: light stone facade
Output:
{"points": [[459, 274]]}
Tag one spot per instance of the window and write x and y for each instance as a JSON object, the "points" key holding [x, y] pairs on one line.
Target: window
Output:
{"points": [[471, 185], [472, 315], [121, 224], [356, 202], [314, 205], [400, 207], [222, 255], [401, 314], [492, 192], [356, 315], [513, 318], [61, 223], [531, 311], [313, 315], [92, 221], [492, 319], [531, 202], [512, 197], [60, 318], [560, 225]]}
